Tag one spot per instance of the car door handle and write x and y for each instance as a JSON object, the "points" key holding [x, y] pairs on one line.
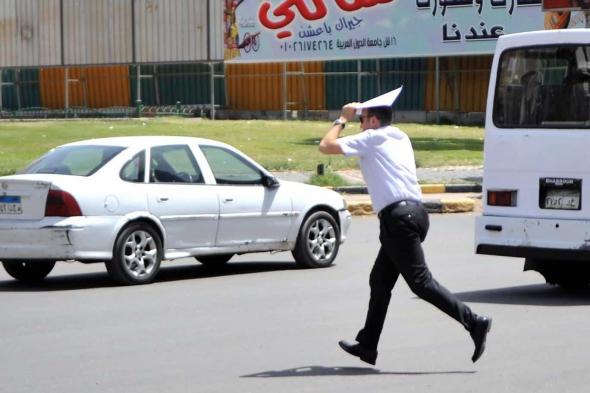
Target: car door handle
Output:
{"points": [[163, 199], [227, 200]]}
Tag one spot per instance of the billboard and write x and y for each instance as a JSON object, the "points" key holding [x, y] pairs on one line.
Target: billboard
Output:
{"points": [[299, 30], [566, 5]]}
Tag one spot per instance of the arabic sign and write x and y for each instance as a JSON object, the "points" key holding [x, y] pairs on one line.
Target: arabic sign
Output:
{"points": [[295, 30], [557, 5]]}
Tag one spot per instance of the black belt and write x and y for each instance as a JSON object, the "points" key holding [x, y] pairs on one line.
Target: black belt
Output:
{"points": [[393, 205]]}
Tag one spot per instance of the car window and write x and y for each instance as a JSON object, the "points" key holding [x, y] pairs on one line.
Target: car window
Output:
{"points": [[134, 169], [229, 168], [174, 164], [74, 160]]}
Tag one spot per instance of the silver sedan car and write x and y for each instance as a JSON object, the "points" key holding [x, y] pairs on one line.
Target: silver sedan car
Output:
{"points": [[131, 202]]}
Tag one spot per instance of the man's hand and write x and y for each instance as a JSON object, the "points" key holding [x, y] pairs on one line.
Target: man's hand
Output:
{"points": [[349, 111], [329, 144]]}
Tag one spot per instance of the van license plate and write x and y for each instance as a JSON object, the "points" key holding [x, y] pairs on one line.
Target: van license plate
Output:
{"points": [[10, 205], [562, 199], [560, 193]]}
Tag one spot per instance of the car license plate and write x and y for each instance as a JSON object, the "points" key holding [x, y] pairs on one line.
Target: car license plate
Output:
{"points": [[560, 193], [10, 205]]}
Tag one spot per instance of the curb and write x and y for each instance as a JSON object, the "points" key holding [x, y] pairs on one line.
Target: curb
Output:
{"points": [[426, 188], [450, 205], [443, 205]]}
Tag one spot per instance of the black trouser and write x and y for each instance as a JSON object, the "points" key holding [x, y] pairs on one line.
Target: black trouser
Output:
{"points": [[403, 227]]}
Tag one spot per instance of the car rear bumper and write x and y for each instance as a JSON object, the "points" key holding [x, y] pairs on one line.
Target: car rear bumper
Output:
{"points": [[78, 238], [533, 237]]}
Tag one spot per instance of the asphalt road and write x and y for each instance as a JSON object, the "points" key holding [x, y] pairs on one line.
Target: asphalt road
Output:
{"points": [[263, 326]]}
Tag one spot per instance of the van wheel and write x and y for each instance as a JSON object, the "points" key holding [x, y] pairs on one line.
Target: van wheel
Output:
{"points": [[28, 272], [566, 280], [137, 255], [566, 274], [318, 241]]}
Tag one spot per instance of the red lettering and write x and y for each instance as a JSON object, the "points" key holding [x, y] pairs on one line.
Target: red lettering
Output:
{"points": [[283, 11], [319, 13], [284, 14], [355, 5], [284, 34]]}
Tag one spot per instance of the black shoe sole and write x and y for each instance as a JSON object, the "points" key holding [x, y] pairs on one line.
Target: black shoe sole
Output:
{"points": [[370, 359], [476, 357]]}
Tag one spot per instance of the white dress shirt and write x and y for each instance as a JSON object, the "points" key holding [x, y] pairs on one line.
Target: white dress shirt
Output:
{"points": [[387, 162]]}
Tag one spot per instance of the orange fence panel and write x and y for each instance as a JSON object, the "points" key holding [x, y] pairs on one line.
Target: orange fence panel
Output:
{"points": [[463, 83], [92, 87], [259, 86]]}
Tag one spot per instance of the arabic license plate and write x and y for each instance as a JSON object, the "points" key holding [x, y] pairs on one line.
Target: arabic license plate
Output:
{"points": [[562, 199], [10, 205]]}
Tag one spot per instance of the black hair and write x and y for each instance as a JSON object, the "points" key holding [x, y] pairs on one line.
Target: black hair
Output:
{"points": [[383, 113]]}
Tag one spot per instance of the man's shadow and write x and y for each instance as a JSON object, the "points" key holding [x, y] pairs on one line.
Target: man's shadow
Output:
{"points": [[322, 371]]}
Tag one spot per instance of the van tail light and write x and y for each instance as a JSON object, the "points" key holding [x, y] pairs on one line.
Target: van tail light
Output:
{"points": [[502, 198], [61, 204]]}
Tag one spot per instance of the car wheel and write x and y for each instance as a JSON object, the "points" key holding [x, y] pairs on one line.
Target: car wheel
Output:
{"points": [[214, 260], [318, 241], [136, 256], [29, 272]]}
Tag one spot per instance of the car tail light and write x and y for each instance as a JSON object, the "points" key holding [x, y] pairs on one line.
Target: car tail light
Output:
{"points": [[61, 204], [502, 198]]}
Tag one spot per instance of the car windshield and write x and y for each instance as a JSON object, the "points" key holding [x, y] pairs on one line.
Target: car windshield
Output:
{"points": [[74, 160], [544, 87]]}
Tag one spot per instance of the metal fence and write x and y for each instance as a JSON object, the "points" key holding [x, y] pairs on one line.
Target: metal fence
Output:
{"points": [[443, 87]]}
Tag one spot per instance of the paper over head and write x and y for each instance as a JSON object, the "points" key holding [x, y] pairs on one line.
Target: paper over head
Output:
{"points": [[386, 99]]}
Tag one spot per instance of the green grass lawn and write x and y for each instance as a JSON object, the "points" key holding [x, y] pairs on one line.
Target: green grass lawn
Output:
{"points": [[278, 145]]}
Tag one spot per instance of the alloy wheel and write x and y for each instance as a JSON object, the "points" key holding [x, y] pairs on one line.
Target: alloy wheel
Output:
{"points": [[321, 239], [140, 254]]}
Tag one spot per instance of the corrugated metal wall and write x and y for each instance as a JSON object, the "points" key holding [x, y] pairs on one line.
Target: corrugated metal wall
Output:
{"points": [[29, 33], [95, 87], [259, 86], [187, 83], [320, 86], [9, 90], [149, 88], [377, 77], [171, 30], [28, 85], [97, 31], [101, 31], [21, 89], [190, 84], [216, 9], [463, 84]]}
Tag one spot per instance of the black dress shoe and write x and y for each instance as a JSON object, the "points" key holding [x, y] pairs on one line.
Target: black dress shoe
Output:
{"points": [[478, 333], [365, 354]]}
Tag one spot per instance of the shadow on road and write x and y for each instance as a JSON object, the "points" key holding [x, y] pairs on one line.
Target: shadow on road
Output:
{"points": [[321, 371], [533, 295], [167, 273]]}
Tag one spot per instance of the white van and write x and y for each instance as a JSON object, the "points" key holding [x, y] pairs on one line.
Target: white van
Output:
{"points": [[536, 185]]}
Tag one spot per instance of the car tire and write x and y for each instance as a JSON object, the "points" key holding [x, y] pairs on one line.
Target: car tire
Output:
{"points": [[137, 255], [28, 272], [214, 260], [318, 241]]}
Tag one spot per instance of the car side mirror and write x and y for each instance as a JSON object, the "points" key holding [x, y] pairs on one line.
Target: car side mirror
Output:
{"points": [[269, 181]]}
